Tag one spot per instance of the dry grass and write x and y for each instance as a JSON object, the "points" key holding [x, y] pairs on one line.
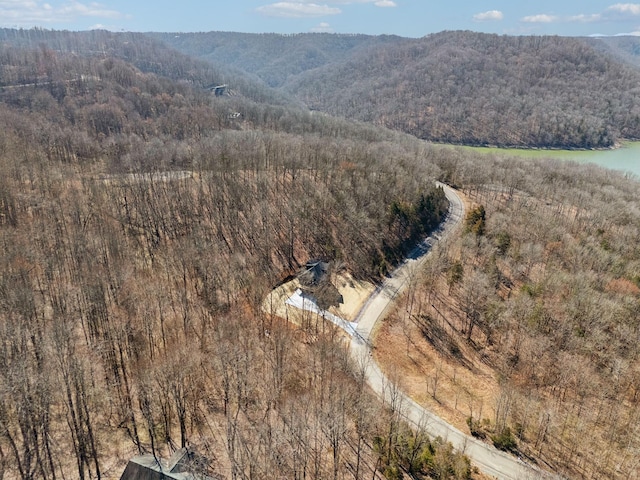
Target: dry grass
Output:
{"points": [[586, 435], [437, 367]]}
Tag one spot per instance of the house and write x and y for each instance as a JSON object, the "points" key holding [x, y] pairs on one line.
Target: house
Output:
{"points": [[218, 90], [314, 273], [184, 464], [315, 281]]}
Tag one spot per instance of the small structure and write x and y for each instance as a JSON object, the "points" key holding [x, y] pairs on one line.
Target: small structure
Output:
{"points": [[184, 464], [218, 90]]}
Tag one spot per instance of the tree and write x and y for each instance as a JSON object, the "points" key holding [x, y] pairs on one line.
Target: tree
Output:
{"points": [[475, 221], [455, 274], [474, 295]]}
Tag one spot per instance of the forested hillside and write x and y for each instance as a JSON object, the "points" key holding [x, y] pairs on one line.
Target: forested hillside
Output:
{"points": [[625, 48], [273, 58], [143, 52], [542, 289], [460, 87], [142, 221]]}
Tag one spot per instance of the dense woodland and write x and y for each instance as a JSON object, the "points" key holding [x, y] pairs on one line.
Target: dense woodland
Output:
{"points": [[142, 221], [273, 58], [543, 286], [453, 87], [140, 51], [624, 48]]}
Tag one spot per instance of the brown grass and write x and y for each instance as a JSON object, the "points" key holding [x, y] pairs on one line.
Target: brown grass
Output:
{"points": [[438, 368]]}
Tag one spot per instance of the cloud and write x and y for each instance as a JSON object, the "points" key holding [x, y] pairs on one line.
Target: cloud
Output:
{"points": [[297, 10], [626, 8], [34, 12], [490, 16], [307, 8], [620, 12], [377, 3], [595, 17], [385, 3], [542, 18], [323, 27], [617, 13]]}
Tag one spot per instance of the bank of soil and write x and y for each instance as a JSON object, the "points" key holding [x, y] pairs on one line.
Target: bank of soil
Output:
{"points": [[354, 294]]}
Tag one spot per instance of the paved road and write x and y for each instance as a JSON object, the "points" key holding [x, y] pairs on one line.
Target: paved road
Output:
{"points": [[488, 459]]}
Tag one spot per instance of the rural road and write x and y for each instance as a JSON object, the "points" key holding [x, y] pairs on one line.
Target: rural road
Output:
{"points": [[487, 458]]}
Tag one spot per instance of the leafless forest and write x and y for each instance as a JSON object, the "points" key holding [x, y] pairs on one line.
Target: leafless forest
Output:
{"points": [[543, 288], [143, 220], [142, 223], [455, 87]]}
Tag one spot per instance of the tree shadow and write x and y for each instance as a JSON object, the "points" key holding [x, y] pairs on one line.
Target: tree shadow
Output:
{"points": [[441, 341]]}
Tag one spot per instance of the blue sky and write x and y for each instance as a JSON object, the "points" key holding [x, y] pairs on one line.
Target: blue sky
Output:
{"points": [[409, 18]]}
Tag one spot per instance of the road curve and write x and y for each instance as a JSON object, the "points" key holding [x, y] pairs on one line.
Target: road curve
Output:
{"points": [[486, 457]]}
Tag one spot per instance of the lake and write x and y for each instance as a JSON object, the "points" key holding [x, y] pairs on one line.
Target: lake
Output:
{"points": [[626, 158]]}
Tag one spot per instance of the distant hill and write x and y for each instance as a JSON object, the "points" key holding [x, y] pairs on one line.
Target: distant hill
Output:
{"points": [[453, 87], [625, 48], [148, 55], [272, 57]]}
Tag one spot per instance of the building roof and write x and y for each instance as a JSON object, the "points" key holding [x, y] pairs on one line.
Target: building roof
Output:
{"points": [[314, 272], [184, 464]]}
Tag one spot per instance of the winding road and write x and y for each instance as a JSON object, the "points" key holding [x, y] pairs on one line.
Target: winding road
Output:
{"points": [[487, 458]]}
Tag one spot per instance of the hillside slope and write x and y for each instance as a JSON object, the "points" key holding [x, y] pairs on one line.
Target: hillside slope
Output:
{"points": [[468, 88], [144, 53], [624, 48], [142, 221], [453, 87], [274, 58], [541, 289]]}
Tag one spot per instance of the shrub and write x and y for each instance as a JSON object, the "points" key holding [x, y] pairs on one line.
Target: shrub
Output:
{"points": [[475, 221], [505, 440], [475, 428]]}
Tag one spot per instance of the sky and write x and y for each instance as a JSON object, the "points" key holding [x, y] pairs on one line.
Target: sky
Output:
{"points": [[407, 18]]}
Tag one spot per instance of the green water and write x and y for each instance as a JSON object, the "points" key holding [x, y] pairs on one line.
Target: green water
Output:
{"points": [[626, 158]]}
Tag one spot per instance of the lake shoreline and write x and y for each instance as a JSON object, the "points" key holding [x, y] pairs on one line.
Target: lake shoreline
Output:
{"points": [[625, 156], [616, 146]]}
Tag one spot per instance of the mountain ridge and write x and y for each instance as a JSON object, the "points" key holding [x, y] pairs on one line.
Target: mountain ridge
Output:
{"points": [[457, 87]]}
